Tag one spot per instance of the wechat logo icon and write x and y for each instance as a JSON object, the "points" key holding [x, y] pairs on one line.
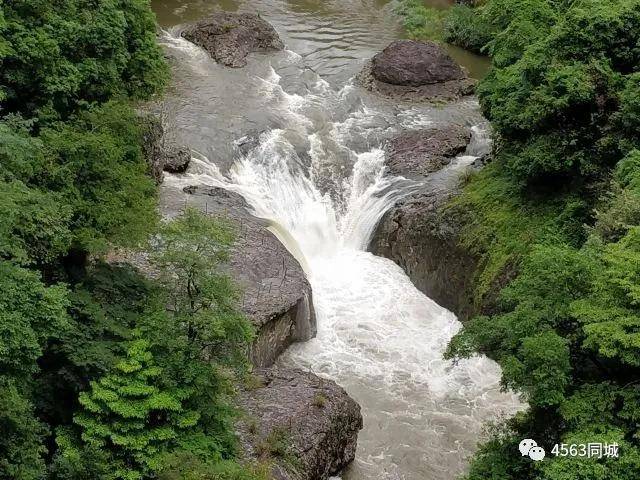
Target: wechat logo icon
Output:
{"points": [[530, 447]]}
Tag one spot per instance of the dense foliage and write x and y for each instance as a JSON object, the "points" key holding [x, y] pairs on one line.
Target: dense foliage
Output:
{"points": [[98, 379], [56, 57], [555, 221]]}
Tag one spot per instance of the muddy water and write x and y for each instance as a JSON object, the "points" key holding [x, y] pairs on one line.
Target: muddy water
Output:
{"points": [[317, 174], [329, 34]]}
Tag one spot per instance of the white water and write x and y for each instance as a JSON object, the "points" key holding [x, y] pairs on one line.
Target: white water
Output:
{"points": [[378, 336]]}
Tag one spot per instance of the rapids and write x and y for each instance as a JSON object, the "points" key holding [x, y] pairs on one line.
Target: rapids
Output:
{"points": [[317, 174]]}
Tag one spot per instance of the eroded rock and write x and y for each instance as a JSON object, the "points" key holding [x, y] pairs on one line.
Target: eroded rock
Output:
{"points": [[410, 70], [419, 233], [161, 153], [421, 237], [421, 152], [152, 132], [276, 293], [230, 37], [306, 424]]}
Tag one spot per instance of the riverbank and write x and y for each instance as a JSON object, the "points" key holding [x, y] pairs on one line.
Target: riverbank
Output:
{"points": [[298, 140], [551, 240]]}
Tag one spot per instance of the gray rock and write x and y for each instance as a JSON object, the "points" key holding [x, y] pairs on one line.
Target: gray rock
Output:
{"points": [[423, 237], [414, 63], [412, 71], [230, 37], [161, 154], [307, 425], [176, 159], [421, 152], [433, 92], [276, 293], [152, 133], [420, 233]]}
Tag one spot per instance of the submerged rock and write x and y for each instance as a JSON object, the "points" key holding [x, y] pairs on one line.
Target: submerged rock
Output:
{"points": [[276, 293], [420, 152], [230, 37], [410, 70], [306, 424]]}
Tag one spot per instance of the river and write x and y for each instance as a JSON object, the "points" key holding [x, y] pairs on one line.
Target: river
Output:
{"points": [[317, 174]]}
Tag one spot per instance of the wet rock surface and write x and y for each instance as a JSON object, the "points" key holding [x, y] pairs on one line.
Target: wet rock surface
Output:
{"points": [[413, 63], [422, 237], [230, 37], [424, 151], [409, 70], [161, 153], [176, 159], [276, 294], [420, 233], [306, 424]]}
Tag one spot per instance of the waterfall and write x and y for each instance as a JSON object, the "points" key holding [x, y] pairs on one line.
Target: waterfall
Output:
{"points": [[319, 178]]}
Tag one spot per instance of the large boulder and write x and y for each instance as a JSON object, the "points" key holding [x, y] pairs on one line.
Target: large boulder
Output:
{"points": [[409, 70], [152, 133], [276, 293], [230, 37], [421, 236], [421, 152], [308, 426], [409, 62], [419, 233]]}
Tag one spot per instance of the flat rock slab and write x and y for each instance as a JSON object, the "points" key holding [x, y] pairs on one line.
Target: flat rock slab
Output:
{"points": [[306, 424], [230, 37], [421, 152]]}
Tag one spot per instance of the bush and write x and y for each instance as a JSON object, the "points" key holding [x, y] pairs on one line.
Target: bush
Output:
{"points": [[420, 21], [84, 53], [465, 27], [556, 103]]}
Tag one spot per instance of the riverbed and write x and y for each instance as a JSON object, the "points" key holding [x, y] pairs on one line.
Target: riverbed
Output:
{"points": [[317, 174]]}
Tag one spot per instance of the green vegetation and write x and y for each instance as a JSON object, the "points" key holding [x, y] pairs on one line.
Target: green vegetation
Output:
{"points": [[555, 222], [98, 379], [420, 21]]}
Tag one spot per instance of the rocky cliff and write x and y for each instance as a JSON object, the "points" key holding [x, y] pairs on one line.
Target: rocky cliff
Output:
{"points": [[419, 233]]}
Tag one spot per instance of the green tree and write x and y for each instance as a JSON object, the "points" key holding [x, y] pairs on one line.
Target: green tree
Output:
{"points": [[128, 414], [84, 52], [203, 339], [31, 314], [189, 253], [22, 441]]}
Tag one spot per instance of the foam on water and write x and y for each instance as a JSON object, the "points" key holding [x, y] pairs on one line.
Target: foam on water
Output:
{"points": [[378, 336]]}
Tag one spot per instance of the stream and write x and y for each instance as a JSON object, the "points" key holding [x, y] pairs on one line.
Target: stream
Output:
{"points": [[317, 174]]}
